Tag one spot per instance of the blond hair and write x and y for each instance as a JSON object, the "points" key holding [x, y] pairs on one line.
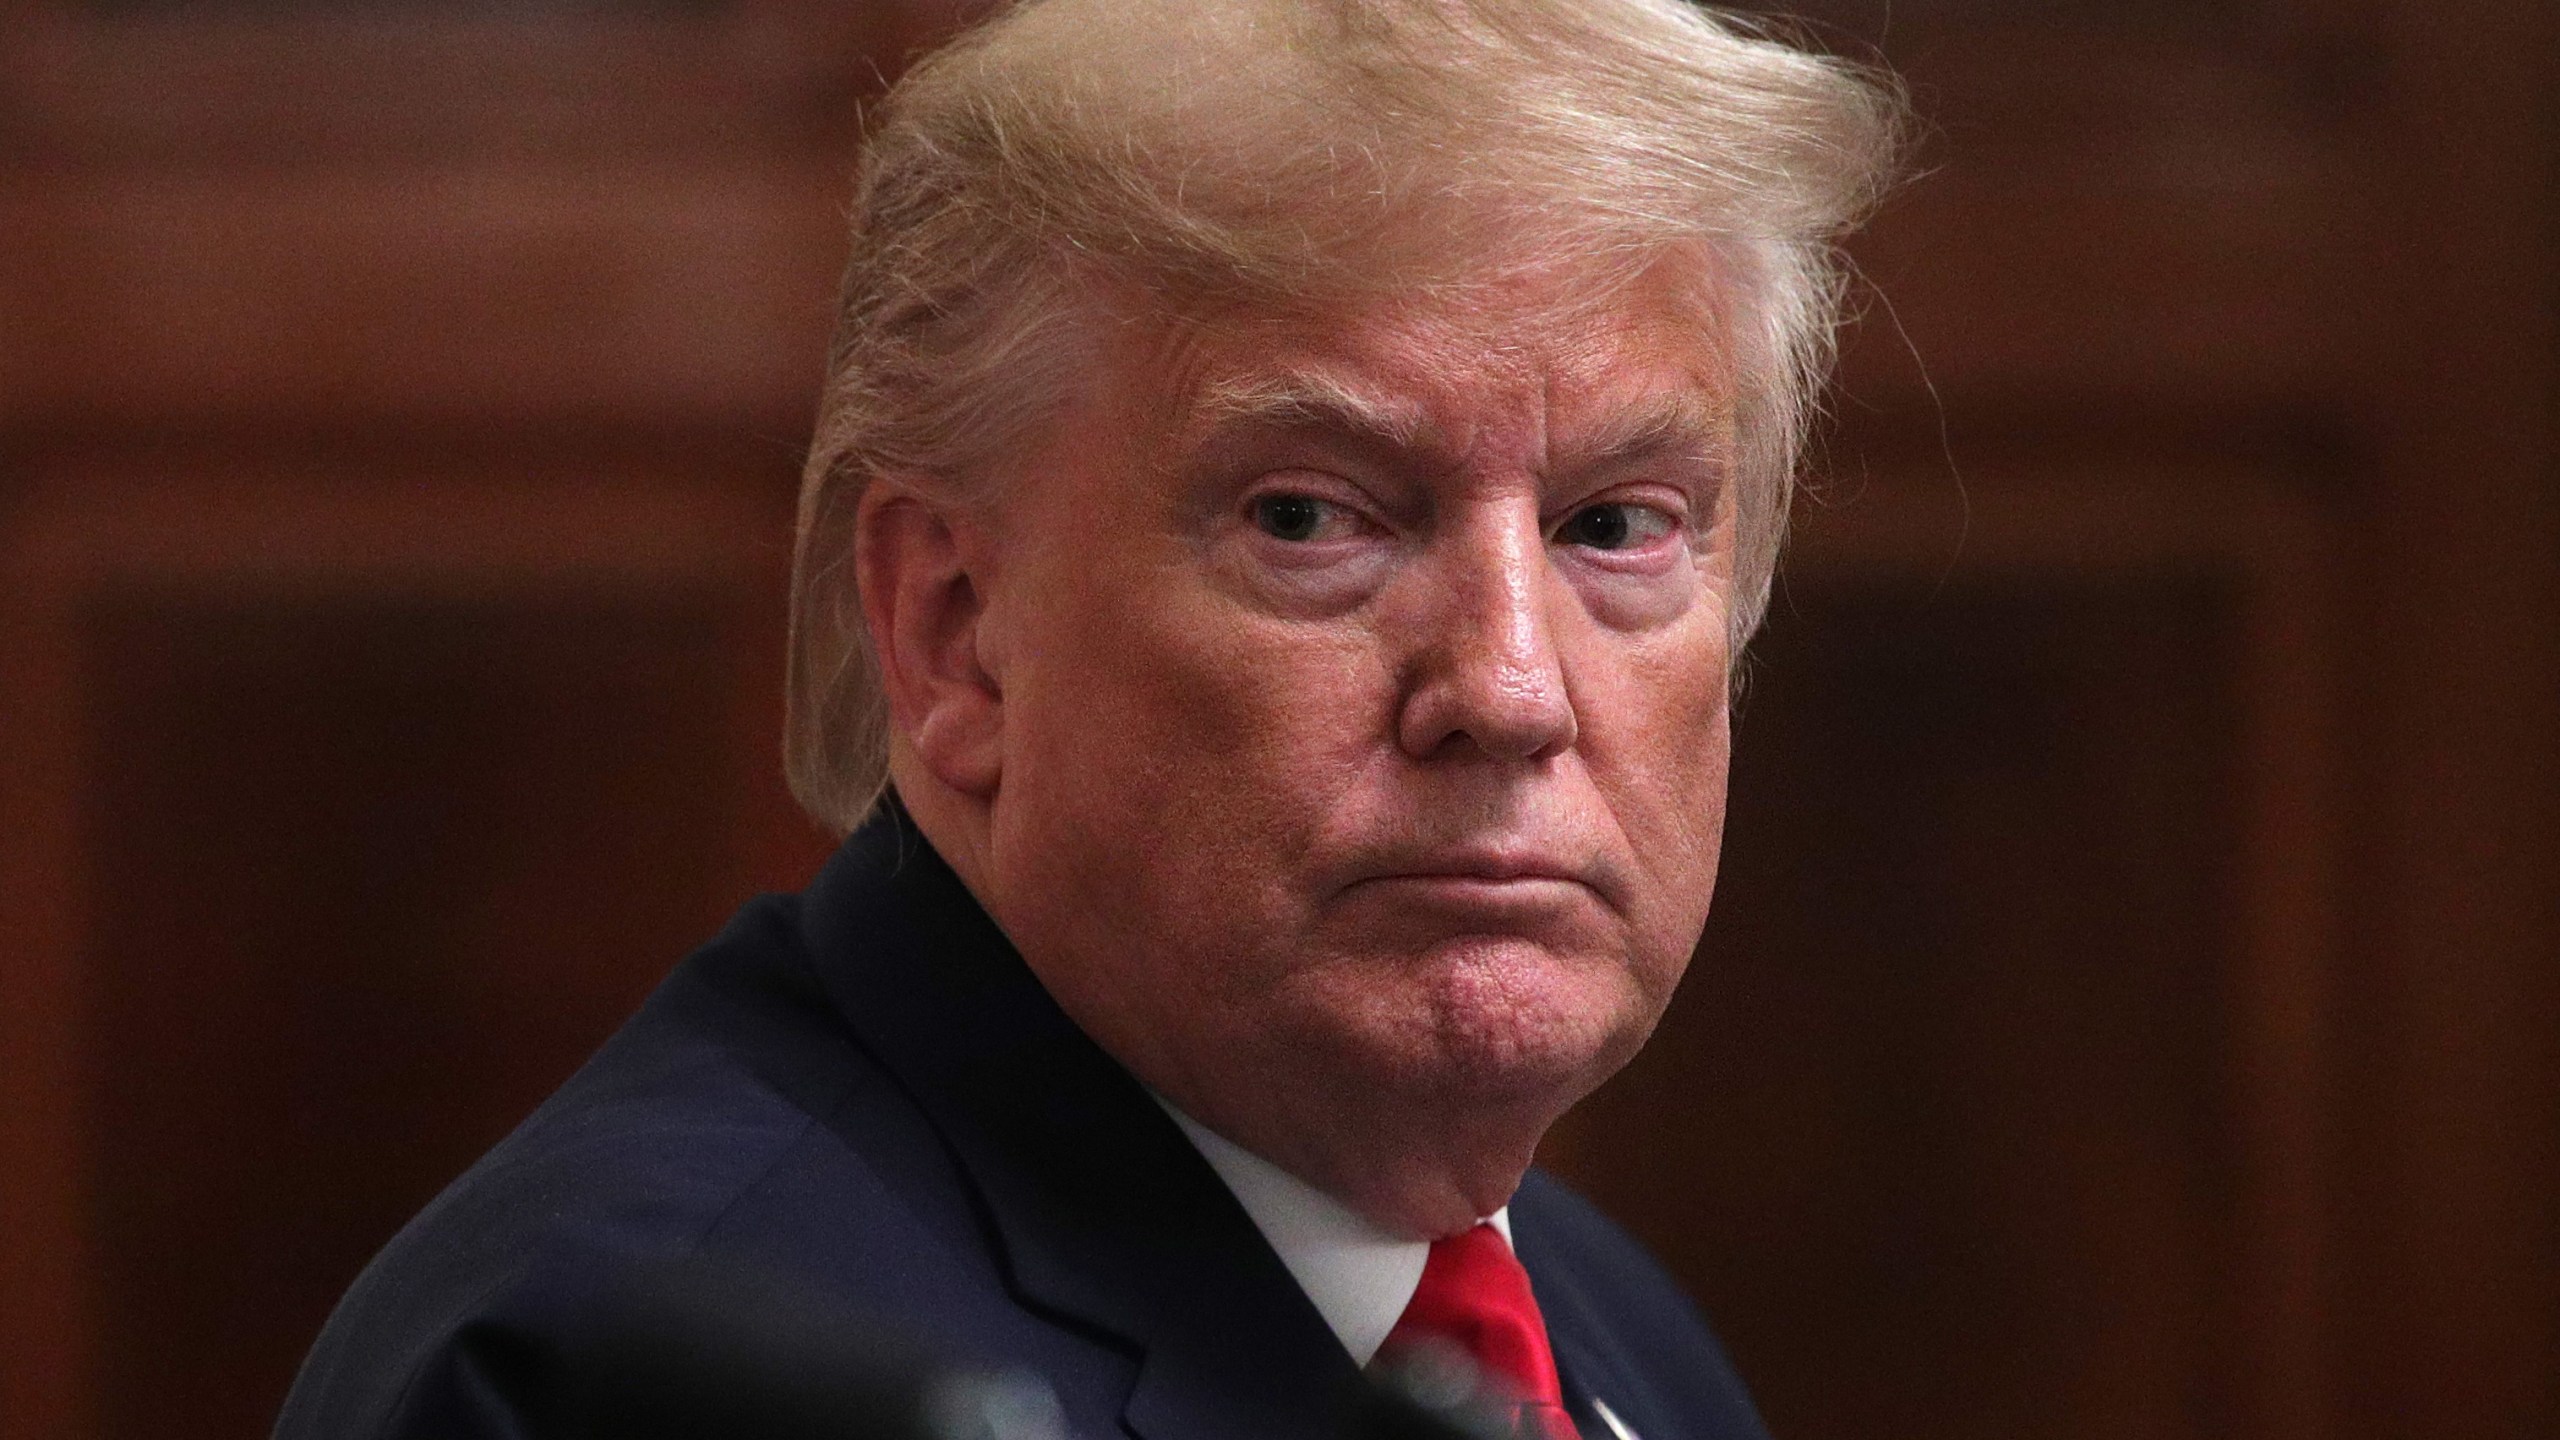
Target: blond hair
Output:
{"points": [[1266, 156]]}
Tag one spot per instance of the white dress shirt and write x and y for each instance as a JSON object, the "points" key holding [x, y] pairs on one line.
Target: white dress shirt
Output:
{"points": [[1359, 1276]]}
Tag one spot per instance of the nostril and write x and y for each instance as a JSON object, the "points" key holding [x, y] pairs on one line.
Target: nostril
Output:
{"points": [[1510, 707]]}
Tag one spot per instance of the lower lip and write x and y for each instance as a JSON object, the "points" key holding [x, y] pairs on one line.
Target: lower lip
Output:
{"points": [[1479, 890]]}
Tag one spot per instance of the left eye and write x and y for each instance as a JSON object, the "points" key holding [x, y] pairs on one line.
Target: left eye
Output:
{"points": [[1300, 519], [1289, 517], [1614, 526]]}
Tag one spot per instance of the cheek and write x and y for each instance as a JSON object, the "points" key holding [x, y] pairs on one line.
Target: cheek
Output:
{"points": [[1212, 743], [1186, 694], [1663, 758]]}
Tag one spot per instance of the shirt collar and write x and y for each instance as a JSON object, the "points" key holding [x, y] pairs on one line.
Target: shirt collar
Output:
{"points": [[1359, 1276]]}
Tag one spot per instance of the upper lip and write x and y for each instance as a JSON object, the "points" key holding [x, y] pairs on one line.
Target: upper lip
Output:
{"points": [[1474, 862]]}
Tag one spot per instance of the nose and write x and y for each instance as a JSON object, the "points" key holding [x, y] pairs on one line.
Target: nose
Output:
{"points": [[1485, 670]]}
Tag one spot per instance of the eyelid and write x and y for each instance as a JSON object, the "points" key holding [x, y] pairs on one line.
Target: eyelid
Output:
{"points": [[1327, 490], [1671, 506], [1672, 499], [1344, 519]]}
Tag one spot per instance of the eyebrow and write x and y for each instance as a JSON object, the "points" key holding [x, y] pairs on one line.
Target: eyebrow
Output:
{"points": [[1317, 402], [1665, 425]]}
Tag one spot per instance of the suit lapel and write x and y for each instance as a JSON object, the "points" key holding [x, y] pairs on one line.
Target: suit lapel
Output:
{"points": [[1577, 1330], [1104, 1213], [1593, 1381]]}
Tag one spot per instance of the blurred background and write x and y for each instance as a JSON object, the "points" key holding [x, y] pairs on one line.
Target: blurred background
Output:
{"points": [[2130, 1008]]}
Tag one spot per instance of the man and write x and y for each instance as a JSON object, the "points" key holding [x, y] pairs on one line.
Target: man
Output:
{"points": [[1293, 482]]}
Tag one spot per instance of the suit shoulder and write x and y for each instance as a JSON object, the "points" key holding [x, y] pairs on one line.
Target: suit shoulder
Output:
{"points": [[731, 1067]]}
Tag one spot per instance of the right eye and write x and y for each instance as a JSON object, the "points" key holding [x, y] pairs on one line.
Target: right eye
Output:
{"points": [[1294, 518]]}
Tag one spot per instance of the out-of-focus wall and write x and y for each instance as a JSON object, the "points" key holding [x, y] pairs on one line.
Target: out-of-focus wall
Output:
{"points": [[2129, 1009]]}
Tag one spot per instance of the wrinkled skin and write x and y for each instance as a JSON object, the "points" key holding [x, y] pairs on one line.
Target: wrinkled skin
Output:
{"points": [[1335, 715]]}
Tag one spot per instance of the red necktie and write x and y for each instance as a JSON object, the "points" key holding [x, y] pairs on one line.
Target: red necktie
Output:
{"points": [[1475, 1296]]}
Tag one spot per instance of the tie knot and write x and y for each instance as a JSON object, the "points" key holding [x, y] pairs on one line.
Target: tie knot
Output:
{"points": [[1475, 1297]]}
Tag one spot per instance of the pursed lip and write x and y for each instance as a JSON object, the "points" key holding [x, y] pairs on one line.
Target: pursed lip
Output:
{"points": [[1493, 871]]}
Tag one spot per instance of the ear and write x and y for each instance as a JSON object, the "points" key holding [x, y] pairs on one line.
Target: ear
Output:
{"points": [[923, 600]]}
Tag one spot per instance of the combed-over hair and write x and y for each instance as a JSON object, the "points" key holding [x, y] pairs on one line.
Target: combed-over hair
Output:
{"points": [[1260, 157]]}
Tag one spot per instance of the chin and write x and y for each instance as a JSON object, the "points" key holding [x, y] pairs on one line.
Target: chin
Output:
{"points": [[1505, 1019]]}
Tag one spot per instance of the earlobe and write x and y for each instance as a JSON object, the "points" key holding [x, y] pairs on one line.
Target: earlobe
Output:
{"points": [[924, 604]]}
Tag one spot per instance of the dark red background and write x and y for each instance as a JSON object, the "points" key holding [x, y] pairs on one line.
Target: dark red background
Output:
{"points": [[2130, 1008]]}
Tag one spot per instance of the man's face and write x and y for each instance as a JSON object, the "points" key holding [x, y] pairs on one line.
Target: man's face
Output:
{"points": [[1364, 705]]}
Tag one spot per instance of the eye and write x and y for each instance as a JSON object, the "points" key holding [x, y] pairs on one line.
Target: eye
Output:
{"points": [[1294, 518], [1614, 526]]}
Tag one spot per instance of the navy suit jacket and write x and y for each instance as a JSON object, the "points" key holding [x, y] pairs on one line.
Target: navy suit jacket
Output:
{"points": [[863, 1087]]}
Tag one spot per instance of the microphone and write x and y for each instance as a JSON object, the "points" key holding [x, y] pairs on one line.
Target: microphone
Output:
{"points": [[1432, 1391], [696, 1351]]}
